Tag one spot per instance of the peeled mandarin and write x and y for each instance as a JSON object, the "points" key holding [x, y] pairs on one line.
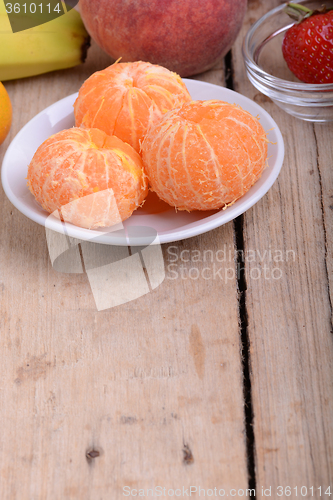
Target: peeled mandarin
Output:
{"points": [[95, 180], [123, 98], [204, 155]]}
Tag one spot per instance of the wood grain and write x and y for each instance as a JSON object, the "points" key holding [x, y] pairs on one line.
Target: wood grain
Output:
{"points": [[289, 309], [145, 394]]}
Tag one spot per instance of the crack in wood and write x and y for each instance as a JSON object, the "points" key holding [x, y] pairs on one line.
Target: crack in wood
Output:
{"points": [[324, 227], [245, 345], [243, 319]]}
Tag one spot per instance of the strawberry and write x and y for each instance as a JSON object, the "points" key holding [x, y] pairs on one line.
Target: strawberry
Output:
{"points": [[307, 46]]}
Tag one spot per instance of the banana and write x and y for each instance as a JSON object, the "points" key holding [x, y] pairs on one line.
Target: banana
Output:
{"points": [[58, 44]]}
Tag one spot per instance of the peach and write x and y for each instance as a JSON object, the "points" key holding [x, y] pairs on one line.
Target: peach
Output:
{"points": [[185, 36]]}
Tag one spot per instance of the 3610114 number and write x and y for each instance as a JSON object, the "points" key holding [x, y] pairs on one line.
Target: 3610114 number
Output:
{"points": [[303, 491], [32, 8]]}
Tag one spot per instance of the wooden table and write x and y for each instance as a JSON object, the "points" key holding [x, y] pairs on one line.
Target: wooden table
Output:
{"points": [[207, 383]]}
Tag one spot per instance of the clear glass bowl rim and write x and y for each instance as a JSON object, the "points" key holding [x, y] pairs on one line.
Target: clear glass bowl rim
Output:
{"points": [[272, 80]]}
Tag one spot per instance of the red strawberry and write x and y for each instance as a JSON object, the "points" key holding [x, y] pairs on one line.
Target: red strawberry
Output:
{"points": [[307, 46]]}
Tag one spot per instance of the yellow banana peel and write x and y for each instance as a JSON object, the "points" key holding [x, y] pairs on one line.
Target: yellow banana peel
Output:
{"points": [[58, 44]]}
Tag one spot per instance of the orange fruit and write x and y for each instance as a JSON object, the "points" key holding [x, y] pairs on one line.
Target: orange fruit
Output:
{"points": [[5, 113], [204, 155], [123, 98], [95, 180]]}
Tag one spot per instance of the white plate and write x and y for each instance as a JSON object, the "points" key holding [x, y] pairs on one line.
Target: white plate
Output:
{"points": [[170, 225]]}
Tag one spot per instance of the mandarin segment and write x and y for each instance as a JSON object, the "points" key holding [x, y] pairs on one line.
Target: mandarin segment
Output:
{"points": [[204, 155], [124, 98], [73, 165]]}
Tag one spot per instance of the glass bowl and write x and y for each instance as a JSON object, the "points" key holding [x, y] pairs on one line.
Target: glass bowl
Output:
{"points": [[269, 73]]}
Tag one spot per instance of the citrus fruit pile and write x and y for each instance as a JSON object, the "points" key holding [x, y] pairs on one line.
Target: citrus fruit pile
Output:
{"points": [[137, 127]]}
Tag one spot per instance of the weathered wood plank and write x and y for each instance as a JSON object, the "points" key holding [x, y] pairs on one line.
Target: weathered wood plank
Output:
{"points": [[153, 386], [289, 309]]}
